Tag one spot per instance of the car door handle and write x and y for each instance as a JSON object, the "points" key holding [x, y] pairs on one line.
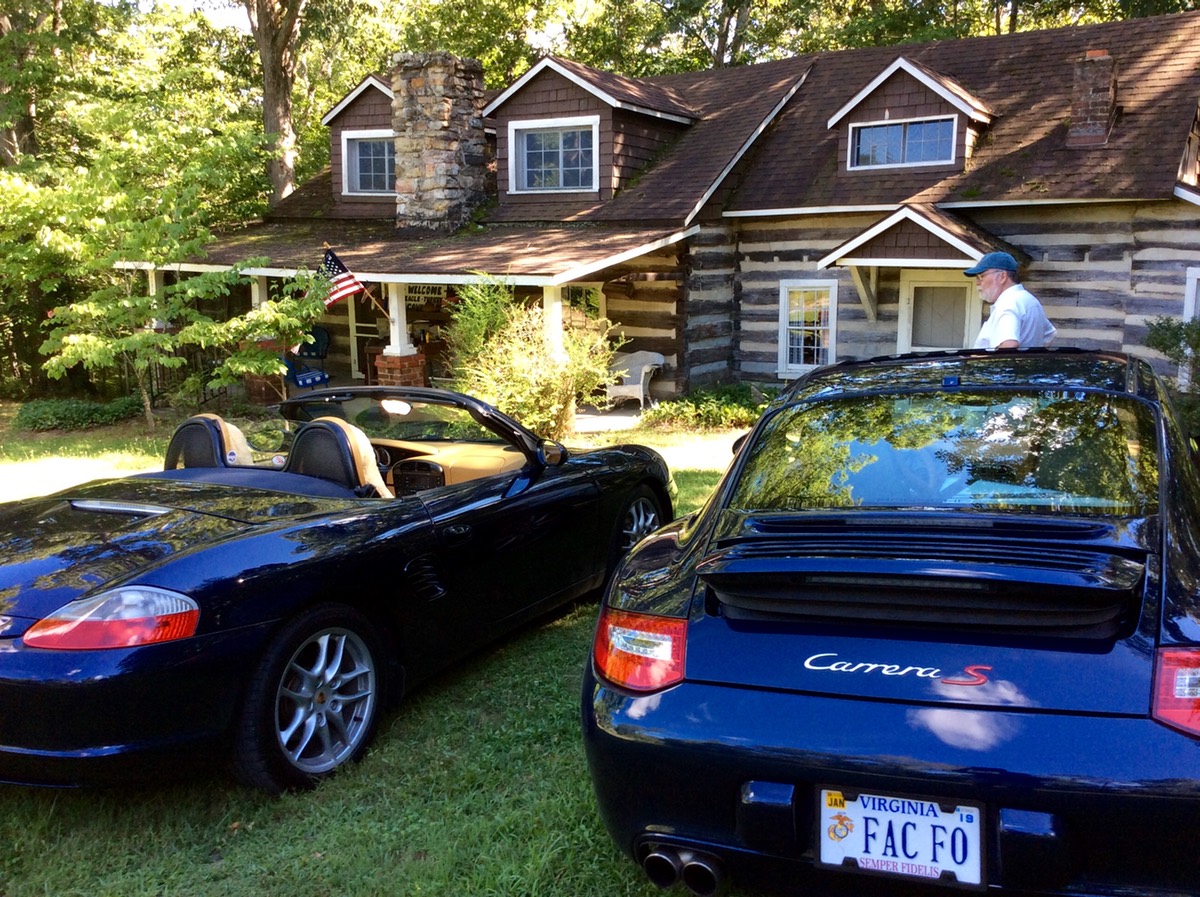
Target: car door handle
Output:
{"points": [[458, 532]]}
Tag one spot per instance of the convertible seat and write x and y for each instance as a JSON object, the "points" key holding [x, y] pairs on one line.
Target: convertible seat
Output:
{"points": [[336, 450], [207, 440]]}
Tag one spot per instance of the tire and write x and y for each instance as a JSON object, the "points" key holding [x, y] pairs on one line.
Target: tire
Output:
{"points": [[313, 701], [641, 515]]}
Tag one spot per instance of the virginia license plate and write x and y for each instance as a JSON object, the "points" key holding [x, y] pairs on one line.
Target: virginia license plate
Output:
{"points": [[904, 837]]}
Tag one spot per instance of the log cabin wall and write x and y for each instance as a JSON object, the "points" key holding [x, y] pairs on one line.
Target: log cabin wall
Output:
{"points": [[1101, 271]]}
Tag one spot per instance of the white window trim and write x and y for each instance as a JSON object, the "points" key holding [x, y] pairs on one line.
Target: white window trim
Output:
{"points": [[932, 277], [347, 138], [515, 150], [1191, 310], [953, 119], [783, 369]]}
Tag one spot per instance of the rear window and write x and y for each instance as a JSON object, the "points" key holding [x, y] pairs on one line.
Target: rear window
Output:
{"points": [[1071, 451]]}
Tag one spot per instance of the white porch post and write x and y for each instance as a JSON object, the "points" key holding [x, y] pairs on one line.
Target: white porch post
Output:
{"points": [[258, 291], [552, 319], [398, 339]]}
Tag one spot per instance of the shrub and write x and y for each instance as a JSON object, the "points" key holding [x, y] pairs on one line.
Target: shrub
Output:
{"points": [[499, 353], [719, 407], [1179, 341], [75, 414]]}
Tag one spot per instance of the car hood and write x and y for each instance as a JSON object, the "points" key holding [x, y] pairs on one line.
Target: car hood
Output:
{"points": [[59, 547], [982, 612]]}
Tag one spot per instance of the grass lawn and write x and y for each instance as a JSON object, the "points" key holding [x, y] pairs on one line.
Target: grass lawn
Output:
{"points": [[475, 787]]}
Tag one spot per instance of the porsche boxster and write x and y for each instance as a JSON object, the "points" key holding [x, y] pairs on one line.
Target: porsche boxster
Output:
{"points": [[269, 593], [938, 629]]}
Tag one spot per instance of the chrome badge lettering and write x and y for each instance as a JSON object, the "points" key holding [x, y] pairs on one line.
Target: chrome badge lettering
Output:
{"points": [[971, 675]]}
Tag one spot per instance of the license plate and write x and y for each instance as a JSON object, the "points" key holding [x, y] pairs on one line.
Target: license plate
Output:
{"points": [[902, 837]]}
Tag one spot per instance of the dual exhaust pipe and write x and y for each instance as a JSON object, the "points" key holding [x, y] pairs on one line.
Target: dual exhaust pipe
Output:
{"points": [[701, 873]]}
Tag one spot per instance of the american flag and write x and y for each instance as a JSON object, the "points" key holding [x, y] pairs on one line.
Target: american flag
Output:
{"points": [[341, 282]]}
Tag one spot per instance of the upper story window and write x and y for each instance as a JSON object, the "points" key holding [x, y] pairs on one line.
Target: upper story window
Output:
{"points": [[369, 162], [557, 155], [895, 143]]}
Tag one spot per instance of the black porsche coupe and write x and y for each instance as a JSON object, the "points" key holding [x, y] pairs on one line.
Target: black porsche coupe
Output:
{"points": [[265, 601]]}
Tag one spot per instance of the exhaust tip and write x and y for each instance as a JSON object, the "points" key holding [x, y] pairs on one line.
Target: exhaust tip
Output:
{"points": [[663, 867], [703, 875]]}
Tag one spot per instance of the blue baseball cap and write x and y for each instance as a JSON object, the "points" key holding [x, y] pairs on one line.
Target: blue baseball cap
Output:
{"points": [[1001, 261]]}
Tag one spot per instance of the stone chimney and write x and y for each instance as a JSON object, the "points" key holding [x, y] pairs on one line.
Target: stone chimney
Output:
{"points": [[441, 151], [1094, 100]]}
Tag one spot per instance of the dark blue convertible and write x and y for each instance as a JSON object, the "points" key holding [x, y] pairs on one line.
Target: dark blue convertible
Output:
{"points": [[265, 596], [937, 628]]}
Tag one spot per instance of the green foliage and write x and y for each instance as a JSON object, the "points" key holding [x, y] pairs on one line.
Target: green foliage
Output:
{"points": [[499, 352], [1179, 341], [719, 407], [74, 414]]}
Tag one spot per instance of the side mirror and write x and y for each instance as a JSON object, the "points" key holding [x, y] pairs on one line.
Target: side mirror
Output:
{"points": [[739, 442], [551, 454]]}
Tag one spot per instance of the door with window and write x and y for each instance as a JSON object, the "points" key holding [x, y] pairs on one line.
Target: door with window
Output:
{"points": [[938, 310]]}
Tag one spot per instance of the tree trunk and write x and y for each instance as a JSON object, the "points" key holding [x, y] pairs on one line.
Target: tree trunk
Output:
{"points": [[275, 25]]}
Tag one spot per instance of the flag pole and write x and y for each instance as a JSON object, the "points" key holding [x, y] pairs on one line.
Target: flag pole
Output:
{"points": [[366, 292]]}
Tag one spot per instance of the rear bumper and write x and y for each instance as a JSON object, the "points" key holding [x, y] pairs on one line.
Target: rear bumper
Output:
{"points": [[104, 717], [1073, 805]]}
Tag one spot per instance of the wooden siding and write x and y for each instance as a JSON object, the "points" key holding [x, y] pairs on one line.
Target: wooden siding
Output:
{"points": [[637, 141], [644, 300], [902, 97], [549, 95], [907, 240], [711, 303], [1101, 271], [370, 111]]}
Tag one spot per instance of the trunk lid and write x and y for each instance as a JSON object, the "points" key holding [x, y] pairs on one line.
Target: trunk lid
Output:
{"points": [[60, 547], [980, 610]]}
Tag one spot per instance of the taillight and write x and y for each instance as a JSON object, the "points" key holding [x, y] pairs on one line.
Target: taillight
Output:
{"points": [[122, 618], [638, 651], [1177, 689]]}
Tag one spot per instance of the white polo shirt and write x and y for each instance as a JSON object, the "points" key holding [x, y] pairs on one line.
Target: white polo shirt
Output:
{"points": [[1016, 314]]}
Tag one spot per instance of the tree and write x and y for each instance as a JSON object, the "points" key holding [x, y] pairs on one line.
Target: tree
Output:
{"points": [[275, 25]]}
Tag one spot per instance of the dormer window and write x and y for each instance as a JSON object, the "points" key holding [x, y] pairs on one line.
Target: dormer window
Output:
{"points": [[890, 144], [554, 156], [370, 162]]}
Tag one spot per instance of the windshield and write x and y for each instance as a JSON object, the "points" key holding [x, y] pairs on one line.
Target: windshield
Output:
{"points": [[400, 419], [1068, 450]]}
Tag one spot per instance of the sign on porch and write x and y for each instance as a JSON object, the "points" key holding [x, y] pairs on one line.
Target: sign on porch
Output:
{"points": [[417, 295]]}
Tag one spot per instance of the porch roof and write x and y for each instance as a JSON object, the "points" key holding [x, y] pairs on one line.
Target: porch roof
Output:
{"points": [[525, 255]]}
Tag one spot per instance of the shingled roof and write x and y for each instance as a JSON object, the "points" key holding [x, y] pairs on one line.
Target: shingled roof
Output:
{"points": [[1027, 80], [760, 142]]}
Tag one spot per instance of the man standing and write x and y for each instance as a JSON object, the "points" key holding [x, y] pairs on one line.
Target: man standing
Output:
{"points": [[1017, 320]]}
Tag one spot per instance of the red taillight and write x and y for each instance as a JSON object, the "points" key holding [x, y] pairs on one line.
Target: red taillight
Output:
{"points": [[123, 618], [638, 651], [1177, 689]]}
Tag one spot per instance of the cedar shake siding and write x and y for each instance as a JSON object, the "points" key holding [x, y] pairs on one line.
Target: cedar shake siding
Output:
{"points": [[549, 96], [371, 110]]}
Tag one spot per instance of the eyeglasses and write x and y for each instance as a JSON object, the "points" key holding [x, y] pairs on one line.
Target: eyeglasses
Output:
{"points": [[982, 274]]}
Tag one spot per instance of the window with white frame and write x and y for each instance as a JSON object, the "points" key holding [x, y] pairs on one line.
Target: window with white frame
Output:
{"points": [[807, 325], [369, 162], [939, 309], [887, 144], [554, 155]]}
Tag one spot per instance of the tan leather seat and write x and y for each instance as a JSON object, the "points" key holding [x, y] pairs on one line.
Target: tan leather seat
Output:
{"points": [[336, 450], [208, 440]]}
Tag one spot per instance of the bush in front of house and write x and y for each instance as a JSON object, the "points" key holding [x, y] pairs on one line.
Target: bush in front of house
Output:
{"points": [[729, 407], [499, 353], [75, 414]]}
